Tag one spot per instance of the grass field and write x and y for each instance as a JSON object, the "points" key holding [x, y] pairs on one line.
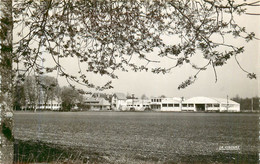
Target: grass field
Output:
{"points": [[125, 137]]}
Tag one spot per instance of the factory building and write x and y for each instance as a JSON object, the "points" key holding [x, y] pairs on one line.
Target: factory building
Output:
{"points": [[210, 104]]}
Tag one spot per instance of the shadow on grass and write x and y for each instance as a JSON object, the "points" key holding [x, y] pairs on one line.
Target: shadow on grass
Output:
{"points": [[220, 158], [40, 152], [37, 151]]}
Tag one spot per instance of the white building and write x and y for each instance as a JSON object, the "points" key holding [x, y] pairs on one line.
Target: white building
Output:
{"points": [[156, 104], [137, 104], [118, 102], [210, 104], [166, 104]]}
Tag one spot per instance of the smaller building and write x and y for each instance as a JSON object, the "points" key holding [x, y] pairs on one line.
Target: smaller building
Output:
{"points": [[118, 102], [97, 104]]}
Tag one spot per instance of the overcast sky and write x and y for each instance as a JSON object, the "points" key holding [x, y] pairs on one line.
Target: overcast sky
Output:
{"points": [[232, 80]]}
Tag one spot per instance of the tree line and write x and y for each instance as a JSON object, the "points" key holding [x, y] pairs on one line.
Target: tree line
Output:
{"points": [[33, 90], [248, 103]]}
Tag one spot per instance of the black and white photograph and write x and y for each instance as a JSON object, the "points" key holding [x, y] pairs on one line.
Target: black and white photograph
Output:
{"points": [[129, 81]]}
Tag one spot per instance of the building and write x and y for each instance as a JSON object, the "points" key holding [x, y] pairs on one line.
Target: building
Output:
{"points": [[97, 104], [166, 104], [118, 102], [53, 105], [138, 104], [210, 104], [156, 104]]}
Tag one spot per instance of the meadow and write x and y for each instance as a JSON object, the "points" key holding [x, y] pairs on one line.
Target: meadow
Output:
{"points": [[136, 137]]}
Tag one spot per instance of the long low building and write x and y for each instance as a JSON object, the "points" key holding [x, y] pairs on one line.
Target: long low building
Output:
{"points": [[55, 106], [210, 104], [206, 104]]}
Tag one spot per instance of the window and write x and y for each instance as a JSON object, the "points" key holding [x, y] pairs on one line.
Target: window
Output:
{"points": [[160, 100], [164, 105], [190, 105], [184, 105], [216, 105], [176, 105], [209, 105], [170, 105]]}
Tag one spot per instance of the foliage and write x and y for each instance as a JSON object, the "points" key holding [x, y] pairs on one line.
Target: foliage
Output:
{"points": [[248, 103], [143, 97], [70, 97], [35, 89], [43, 89], [50, 89], [162, 96], [19, 97], [105, 35], [31, 91]]}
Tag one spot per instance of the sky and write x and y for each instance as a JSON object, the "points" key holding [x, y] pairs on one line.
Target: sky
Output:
{"points": [[232, 81]]}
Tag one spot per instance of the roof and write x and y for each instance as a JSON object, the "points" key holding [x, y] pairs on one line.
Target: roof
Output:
{"points": [[209, 100], [97, 101], [104, 102], [172, 99], [120, 96], [137, 101], [224, 101], [103, 95], [91, 99]]}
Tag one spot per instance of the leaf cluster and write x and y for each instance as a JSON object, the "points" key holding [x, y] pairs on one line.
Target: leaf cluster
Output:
{"points": [[105, 35]]}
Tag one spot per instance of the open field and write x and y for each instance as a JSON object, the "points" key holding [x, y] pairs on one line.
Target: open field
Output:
{"points": [[125, 137]]}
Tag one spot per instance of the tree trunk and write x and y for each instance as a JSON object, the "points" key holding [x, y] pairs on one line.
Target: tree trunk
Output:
{"points": [[6, 75]]}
